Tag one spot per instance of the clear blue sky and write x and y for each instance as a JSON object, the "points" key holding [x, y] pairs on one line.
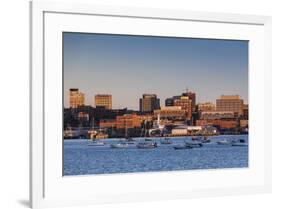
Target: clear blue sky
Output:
{"points": [[128, 66]]}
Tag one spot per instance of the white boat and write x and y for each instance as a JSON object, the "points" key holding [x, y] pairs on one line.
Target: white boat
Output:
{"points": [[224, 142], [120, 145], [96, 143], [146, 145]]}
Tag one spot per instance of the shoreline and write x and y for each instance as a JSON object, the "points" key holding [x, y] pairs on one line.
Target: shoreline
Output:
{"points": [[156, 137]]}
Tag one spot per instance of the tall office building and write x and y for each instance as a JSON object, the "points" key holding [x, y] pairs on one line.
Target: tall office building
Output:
{"points": [[76, 98], [192, 97], [103, 100], [169, 102], [149, 103], [230, 103], [185, 103], [181, 101]]}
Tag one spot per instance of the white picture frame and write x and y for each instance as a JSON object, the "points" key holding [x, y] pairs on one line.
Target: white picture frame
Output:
{"points": [[49, 188]]}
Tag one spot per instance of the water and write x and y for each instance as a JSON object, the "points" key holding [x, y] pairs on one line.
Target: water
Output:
{"points": [[81, 159]]}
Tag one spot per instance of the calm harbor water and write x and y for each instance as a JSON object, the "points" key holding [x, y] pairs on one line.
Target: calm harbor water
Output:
{"points": [[81, 159]]}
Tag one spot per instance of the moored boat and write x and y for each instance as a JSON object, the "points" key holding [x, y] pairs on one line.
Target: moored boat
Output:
{"points": [[120, 145], [206, 140], [166, 141], [240, 143], [194, 144], [146, 145], [224, 142], [182, 146], [96, 143]]}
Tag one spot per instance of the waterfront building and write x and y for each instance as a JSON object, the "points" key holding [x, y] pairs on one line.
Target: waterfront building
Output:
{"points": [[148, 103], [107, 123], [207, 106], [83, 116], [215, 114], [230, 103], [221, 123], [194, 128], [146, 117], [128, 121], [243, 123], [179, 131], [76, 98], [71, 115], [171, 113], [103, 100]]}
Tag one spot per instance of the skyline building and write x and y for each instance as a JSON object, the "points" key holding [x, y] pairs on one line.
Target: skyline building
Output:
{"points": [[192, 97], [186, 104], [207, 106], [76, 98], [171, 112], [148, 103], [103, 100], [230, 103], [182, 101]]}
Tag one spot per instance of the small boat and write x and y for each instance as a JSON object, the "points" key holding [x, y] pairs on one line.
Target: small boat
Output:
{"points": [[182, 146], [224, 142], [205, 140], [146, 145], [119, 145], [194, 144], [240, 143], [166, 141], [195, 139], [96, 143]]}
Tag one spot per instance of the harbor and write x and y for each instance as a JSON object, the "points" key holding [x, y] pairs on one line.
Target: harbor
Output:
{"points": [[115, 155]]}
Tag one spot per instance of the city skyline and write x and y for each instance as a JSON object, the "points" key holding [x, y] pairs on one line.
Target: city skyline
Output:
{"points": [[154, 65]]}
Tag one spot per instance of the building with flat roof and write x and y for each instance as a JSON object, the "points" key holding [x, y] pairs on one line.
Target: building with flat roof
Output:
{"points": [[148, 103], [107, 123], [230, 103], [171, 113], [103, 100], [207, 106], [128, 121], [169, 102], [221, 123], [186, 104], [76, 98], [215, 114], [192, 97]]}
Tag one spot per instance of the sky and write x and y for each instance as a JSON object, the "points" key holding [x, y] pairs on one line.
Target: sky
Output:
{"points": [[129, 66]]}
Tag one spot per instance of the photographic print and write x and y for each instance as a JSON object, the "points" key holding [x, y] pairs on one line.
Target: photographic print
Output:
{"points": [[135, 103]]}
